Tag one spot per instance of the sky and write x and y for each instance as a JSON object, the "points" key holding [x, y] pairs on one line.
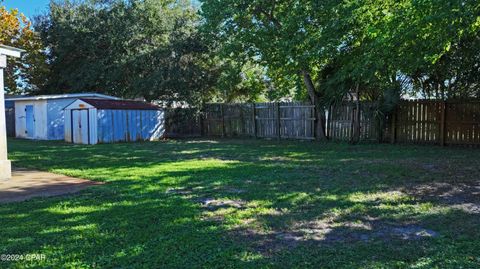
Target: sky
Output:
{"points": [[28, 7]]}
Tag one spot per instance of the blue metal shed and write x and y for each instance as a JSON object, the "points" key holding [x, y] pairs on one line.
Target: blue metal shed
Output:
{"points": [[92, 121]]}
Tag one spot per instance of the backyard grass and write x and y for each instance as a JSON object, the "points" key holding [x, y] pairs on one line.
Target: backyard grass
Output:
{"points": [[249, 203]]}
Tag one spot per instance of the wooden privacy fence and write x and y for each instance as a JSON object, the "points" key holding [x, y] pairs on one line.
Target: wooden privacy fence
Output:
{"points": [[340, 120], [415, 121], [437, 122], [182, 122], [264, 120]]}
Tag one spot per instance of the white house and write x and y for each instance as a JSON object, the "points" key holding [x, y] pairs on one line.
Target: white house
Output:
{"points": [[42, 117]]}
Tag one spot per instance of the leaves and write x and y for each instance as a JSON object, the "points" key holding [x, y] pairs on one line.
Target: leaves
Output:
{"points": [[27, 74], [149, 49], [372, 42]]}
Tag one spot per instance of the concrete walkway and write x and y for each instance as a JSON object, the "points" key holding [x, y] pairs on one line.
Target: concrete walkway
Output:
{"points": [[26, 184]]}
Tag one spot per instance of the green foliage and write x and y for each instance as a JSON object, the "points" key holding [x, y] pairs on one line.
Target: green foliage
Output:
{"points": [[240, 81], [418, 47], [28, 74], [149, 49], [237, 50]]}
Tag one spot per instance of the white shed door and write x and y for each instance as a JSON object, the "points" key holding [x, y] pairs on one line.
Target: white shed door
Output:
{"points": [[80, 126]]}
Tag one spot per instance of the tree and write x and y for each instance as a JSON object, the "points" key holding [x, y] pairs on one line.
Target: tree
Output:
{"points": [[240, 81], [148, 49], [28, 74], [429, 43]]}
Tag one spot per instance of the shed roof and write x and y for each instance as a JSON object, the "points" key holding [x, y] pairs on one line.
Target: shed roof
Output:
{"points": [[61, 96], [119, 104]]}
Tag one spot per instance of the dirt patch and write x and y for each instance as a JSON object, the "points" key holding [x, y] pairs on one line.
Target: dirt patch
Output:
{"points": [[330, 231], [464, 196], [267, 243], [179, 191], [215, 204], [364, 229], [409, 232]]}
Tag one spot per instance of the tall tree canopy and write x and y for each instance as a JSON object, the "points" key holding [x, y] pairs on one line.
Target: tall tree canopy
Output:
{"points": [[148, 48], [29, 73], [238, 50]]}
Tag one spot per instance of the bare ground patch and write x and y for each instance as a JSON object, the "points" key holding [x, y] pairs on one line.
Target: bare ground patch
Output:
{"points": [[328, 233], [215, 204], [332, 229], [459, 195]]}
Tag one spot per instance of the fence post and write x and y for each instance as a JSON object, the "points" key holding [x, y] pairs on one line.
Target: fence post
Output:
{"points": [[242, 120], [394, 126], [279, 136], [352, 124], [443, 110], [254, 120], [201, 123], [223, 119], [329, 122]]}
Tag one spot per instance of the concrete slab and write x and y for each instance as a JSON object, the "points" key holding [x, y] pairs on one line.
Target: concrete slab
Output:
{"points": [[26, 184]]}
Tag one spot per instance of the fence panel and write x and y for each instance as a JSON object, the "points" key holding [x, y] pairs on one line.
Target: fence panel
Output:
{"points": [[266, 120], [297, 120], [341, 120], [419, 121], [182, 122], [462, 123]]}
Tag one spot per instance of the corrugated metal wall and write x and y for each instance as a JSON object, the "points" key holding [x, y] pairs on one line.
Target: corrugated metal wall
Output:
{"points": [[55, 118], [129, 125]]}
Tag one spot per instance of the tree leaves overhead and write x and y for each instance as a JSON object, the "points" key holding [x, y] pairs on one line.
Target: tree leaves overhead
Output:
{"points": [[239, 50], [414, 45], [29, 73], [148, 48]]}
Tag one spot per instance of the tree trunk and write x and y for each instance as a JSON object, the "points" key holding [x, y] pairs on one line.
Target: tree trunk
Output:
{"points": [[320, 118], [356, 118]]}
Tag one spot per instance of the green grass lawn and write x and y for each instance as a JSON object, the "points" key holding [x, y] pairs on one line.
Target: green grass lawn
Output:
{"points": [[249, 203]]}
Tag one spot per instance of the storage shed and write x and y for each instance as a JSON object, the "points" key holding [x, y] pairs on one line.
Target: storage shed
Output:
{"points": [[92, 121], [41, 117]]}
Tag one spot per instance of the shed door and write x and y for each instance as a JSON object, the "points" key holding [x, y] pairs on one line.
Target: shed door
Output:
{"points": [[80, 124], [30, 121]]}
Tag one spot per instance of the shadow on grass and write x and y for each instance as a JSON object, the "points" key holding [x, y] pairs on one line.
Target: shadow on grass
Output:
{"points": [[238, 204]]}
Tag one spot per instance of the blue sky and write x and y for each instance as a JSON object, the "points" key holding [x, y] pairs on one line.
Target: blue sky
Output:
{"points": [[28, 7]]}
